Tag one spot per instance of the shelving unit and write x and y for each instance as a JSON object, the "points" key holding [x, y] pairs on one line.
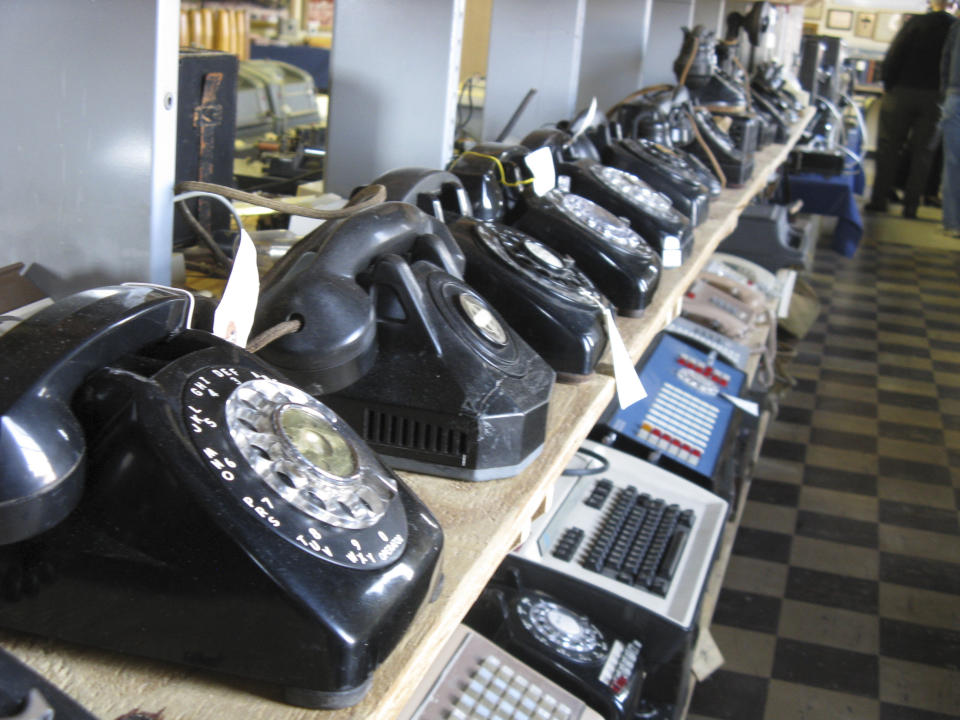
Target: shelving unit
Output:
{"points": [[481, 522]]}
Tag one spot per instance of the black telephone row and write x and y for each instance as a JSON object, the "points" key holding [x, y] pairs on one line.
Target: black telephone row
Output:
{"points": [[166, 493]]}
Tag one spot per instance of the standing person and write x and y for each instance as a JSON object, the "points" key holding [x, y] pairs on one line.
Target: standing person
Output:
{"points": [[950, 83], [909, 108]]}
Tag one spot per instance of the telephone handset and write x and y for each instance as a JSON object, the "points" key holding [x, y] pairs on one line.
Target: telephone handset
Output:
{"points": [[451, 389], [26, 695], [603, 667], [701, 310], [649, 212], [621, 264], [544, 296], [320, 281], [765, 280], [178, 499], [662, 169], [751, 297], [714, 294]]}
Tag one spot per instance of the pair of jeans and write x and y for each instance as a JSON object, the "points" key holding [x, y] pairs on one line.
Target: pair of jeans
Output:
{"points": [[950, 124], [907, 115]]}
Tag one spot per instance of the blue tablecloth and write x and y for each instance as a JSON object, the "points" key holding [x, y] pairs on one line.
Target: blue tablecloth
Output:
{"points": [[831, 195]]}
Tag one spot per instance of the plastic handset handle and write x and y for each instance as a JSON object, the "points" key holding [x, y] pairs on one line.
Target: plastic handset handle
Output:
{"points": [[42, 362]]}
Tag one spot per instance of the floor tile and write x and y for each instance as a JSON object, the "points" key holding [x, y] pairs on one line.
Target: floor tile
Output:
{"points": [[824, 667], [794, 415], [849, 378], [774, 492], [920, 517], [913, 471], [784, 449], [762, 544], [832, 478], [919, 543], [745, 651], [925, 418], [833, 350], [898, 384], [847, 392], [788, 432], [918, 643], [730, 695], [912, 433], [748, 611], [763, 516], [909, 400], [759, 577], [837, 529], [909, 450], [920, 686], [843, 504], [832, 590], [889, 711], [915, 374], [850, 460], [916, 492], [920, 573], [844, 440], [844, 405], [848, 364], [833, 627], [780, 470], [791, 701], [926, 607], [827, 420]]}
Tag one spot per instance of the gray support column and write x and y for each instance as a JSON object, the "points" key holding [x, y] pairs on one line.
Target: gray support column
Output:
{"points": [[712, 14], [614, 43], [665, 39], [89, 123], [394, 68], [533, 44]]}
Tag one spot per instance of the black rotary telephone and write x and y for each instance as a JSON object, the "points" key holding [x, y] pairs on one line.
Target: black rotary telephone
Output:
{"points": [[618, 260], [543, 296], [165, 493], [649, 211], [601, 666], [419, 363]]}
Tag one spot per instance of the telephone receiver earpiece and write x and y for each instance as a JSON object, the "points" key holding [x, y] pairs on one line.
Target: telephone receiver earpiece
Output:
{"points": [[437, 192], [321, 287], [42, 362]]}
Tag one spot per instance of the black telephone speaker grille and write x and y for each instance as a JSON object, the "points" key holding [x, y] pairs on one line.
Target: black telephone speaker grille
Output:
{"points": [[396, 430]]}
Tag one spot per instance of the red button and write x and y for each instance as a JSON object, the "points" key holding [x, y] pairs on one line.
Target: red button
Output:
{"points": [[656, 432], [691, 295], [721, 381], [676, 442], [666, 437], [686, 448], [695, 452]]}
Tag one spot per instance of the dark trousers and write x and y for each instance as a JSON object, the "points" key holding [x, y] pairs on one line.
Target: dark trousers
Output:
{"points": [[905, 113]]}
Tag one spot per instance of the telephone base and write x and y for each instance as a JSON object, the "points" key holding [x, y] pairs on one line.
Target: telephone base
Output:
{"points": [[457, 473], [329, 700]]}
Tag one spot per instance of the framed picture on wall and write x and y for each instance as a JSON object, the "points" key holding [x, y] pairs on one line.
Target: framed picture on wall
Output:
{"points": [[866, 22], [813, 11], [840, 19], [887, 25]]}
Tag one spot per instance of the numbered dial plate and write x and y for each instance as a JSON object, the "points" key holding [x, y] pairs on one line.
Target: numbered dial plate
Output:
{"points": [[296, 466], [601, 221], [635, 189], [562, 630]]}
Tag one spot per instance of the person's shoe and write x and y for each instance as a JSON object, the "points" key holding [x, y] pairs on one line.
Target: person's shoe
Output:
{"points": [[893, 196], [910, 212], [932, 201], [875, 207]]}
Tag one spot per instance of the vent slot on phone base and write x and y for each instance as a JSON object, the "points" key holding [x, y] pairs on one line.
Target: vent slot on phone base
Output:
{"points": [[396, 430]]}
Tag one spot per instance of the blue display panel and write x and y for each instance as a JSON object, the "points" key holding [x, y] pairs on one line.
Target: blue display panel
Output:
{"points": [[685, 414]]}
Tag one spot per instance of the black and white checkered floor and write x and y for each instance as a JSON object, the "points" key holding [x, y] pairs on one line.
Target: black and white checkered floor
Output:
{"points": [[842, 598]]}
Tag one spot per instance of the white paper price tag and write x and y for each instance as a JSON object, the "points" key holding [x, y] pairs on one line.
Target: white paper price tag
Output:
{"points": [[544, 172], [748, 406], [234, 315], [629, 387]]}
